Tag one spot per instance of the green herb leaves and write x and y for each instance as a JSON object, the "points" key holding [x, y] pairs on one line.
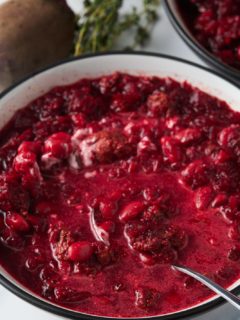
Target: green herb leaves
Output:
{"points": [[101, 24]]}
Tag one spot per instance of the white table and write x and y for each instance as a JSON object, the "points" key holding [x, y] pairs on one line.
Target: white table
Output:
{"points": [[164, 40]]}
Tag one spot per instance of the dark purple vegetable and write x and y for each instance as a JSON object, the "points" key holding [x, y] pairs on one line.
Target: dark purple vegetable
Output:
{"points": [[33, 34]]}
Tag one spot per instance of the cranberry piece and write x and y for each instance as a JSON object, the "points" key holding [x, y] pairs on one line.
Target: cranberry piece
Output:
{"points": [[146, 298], [158, 103], [234, 202], [23, 162], [80, 251], [131, 211], [116, 195], [211, 150], [133, 131], [86, 104], [171, 149], [134, 229], [125, 101], [230, 136], [195, 174], [203, 197], [58, 145], [30, 146], [51, 106], [221, 157], [109, 83], [108, 209], [26, 165], [79, 120], [17, 222], [188, 136]]}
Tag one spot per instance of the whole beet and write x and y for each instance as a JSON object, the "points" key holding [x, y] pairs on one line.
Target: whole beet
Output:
{"points": [[33, 34]]}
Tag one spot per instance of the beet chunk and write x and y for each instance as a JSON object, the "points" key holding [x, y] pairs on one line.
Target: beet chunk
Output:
{"points": [[104, 147]]}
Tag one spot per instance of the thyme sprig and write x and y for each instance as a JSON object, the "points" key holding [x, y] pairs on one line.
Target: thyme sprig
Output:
{"points": [[100, 25]]}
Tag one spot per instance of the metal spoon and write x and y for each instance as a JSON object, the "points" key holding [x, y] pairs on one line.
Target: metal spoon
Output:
{"points": [[225, 294]]}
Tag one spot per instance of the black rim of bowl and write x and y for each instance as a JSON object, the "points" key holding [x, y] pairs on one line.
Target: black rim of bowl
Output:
{"points": [[197, 48], [61, 311]]}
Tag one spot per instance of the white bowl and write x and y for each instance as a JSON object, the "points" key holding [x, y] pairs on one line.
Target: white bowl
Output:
{"points": [[91, 66]]}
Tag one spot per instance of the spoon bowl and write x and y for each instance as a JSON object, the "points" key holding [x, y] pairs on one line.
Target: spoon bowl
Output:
{"points": [[225, 294]]}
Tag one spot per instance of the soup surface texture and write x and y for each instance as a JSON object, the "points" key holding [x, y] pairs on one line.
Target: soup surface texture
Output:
{"points": [[107, 182]]}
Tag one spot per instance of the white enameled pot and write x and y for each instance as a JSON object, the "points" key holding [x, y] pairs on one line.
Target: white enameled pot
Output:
{"points": [[97, 65]]}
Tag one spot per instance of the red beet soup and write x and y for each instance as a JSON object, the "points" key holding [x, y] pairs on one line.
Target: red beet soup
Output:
{"points": [[107, 182], [216, 25]]}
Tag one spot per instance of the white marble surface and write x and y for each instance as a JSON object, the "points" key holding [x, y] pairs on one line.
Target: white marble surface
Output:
{"points": [[164, 40]]}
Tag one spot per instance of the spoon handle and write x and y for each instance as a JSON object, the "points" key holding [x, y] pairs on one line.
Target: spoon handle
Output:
{"points": [[227, 295]]}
